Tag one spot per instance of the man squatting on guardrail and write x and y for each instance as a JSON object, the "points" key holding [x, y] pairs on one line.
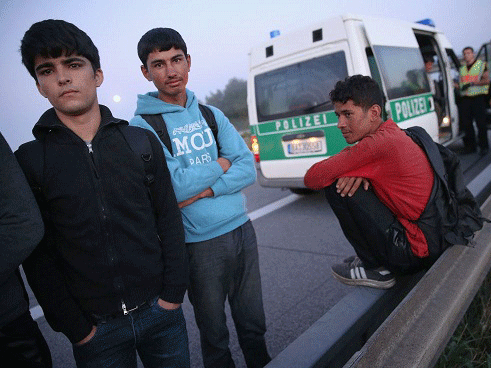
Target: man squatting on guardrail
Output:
{"points": [[408, 213]]}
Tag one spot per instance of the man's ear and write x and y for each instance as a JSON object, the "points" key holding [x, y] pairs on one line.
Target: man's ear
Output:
{"points": [[99, 77], [375, 112], [188, 58], [145, 73]]}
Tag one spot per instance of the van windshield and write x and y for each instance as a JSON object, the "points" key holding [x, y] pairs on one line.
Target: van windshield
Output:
{"points": [[299, 88]]}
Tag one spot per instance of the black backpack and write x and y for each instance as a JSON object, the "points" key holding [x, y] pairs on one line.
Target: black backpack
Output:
{"points": [[157, 122], [460, 215]]}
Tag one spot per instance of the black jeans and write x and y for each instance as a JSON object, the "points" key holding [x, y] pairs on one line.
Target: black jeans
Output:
{"points": [[228, 267], [474, 108], [22, 345], [377, 236]]}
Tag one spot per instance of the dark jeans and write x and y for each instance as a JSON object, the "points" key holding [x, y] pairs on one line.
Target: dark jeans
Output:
{"points": [[474, 108], [228, 265], [159, 335], [376, 235], [22, 345]]}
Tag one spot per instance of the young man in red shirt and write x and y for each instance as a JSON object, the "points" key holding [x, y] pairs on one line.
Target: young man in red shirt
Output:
{"points": [[382, 221]]}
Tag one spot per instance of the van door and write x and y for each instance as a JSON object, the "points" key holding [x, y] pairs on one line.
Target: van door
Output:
{"points": [[405, 84], [441, 72]]}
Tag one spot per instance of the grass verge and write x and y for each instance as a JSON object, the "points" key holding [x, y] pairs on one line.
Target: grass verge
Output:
{"points": [[470, 345]]}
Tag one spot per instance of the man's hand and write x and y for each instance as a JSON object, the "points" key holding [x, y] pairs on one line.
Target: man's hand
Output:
{"points": [[208, 192], [349, 185], [224, 163], [88, 337], [167, 305]]}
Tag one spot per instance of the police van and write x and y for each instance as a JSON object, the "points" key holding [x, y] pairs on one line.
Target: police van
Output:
{"points": [[292, 119]]}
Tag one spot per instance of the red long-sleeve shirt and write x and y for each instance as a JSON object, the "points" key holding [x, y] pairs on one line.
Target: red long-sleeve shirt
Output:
{"points": [[398, 170]]}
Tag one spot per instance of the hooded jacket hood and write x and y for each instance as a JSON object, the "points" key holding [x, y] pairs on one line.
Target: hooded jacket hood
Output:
{"points": [[150, 103]]}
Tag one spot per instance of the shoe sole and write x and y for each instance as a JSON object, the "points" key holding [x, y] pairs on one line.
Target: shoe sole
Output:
{"points": [[365, 282]]}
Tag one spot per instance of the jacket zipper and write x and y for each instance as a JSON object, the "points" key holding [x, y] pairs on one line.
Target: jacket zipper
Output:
{"points": [[111, 252]]}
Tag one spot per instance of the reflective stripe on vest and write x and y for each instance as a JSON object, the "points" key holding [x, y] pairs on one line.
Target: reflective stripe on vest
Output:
{"points": [[473, 75]]}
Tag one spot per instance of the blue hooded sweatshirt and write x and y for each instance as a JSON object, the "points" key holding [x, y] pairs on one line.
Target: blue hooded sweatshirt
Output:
{"points": [[193, 166]]}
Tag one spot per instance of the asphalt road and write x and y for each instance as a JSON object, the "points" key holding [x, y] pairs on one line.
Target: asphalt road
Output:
{"points": [[299, 239]]}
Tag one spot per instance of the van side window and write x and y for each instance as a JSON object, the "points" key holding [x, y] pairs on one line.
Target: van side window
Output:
{"points": [[372, 63], [402, 70], [375, 73], [301, 88]]}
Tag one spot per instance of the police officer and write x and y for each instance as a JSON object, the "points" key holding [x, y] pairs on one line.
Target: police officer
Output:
{"points": [[474, 84]]}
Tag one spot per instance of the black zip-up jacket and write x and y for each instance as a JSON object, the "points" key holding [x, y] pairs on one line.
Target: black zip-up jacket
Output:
{"points": [[21, 229], [110, 239]]}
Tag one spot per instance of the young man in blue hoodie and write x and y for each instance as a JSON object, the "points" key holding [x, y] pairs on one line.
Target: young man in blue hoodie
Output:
{"points": [[221, 242]]}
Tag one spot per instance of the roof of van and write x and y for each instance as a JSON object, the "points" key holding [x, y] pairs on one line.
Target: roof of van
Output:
{"points": [[331, 30]]}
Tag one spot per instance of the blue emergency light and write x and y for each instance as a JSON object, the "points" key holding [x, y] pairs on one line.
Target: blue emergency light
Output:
{"points": [[427, 22], [274, 33]]}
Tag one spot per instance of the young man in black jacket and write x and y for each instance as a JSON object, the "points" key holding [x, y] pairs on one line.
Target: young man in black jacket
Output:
{"points": [[21, 230], [111, 271]]}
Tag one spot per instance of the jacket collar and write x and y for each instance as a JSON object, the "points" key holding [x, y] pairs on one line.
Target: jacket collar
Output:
{"points": [[49, 121]]}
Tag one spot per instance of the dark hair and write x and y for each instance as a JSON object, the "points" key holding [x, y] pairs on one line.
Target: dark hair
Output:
{"points": [[54, 38], [428, 58], [468, 48], [160, 39], [362, 90]]}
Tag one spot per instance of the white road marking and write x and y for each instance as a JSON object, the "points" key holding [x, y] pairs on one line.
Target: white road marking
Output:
{"points": [[254, 215]]}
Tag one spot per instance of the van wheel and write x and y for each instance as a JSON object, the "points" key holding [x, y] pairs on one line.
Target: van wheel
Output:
{"points": [[302, 191]]}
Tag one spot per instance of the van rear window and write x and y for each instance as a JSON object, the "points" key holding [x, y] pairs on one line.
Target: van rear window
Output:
{"points": [[402, 70], [299, 88]]}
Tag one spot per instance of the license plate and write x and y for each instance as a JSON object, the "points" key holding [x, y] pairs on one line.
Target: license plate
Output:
{"points": [[304, 144], [304, 147]]}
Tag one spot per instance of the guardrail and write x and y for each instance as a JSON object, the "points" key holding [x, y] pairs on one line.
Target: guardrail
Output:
{"points": [[406, 326]]}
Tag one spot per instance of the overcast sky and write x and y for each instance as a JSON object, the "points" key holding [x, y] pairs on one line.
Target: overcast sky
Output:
{"points": [[219, 35]]}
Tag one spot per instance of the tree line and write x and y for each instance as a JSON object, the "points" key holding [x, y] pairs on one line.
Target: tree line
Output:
{"points": [[233, 102]]}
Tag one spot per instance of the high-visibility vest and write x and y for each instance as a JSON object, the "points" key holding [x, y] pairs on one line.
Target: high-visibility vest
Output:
{"points": [[473, 75]]}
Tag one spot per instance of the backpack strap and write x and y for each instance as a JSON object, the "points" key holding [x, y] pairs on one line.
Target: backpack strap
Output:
{"points": [[30, 156], [432, 150], [139, 143], [211, 121], [157, 122]]}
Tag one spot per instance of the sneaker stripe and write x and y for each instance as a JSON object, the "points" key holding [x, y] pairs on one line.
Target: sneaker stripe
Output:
{"points": [[358, 273], [363, 274]]}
